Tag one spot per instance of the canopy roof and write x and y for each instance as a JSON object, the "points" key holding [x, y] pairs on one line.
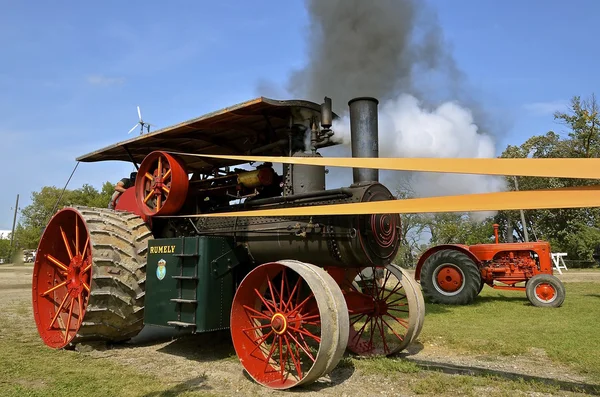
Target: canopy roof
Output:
{"points": [[234, 130]]}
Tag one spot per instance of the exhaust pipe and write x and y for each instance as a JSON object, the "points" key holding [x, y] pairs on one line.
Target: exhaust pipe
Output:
{"points": [[364, 135]]}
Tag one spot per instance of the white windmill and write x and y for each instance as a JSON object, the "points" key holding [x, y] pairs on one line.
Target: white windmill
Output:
{"points": [[141, 123]]}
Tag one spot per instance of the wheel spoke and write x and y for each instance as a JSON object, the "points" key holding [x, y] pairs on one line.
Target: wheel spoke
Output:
{"points": [[392, 329], [273, 298], [57, 262], [267, 305], [259, 314], [294, 361], [289, 302], [87, 241], [302, 347], [166, 175], [148, 176], [57, 286], [396, 288], [86, 286], [165, 189], [158, 201], [67, 328], [80, 303], [58, 311], [261, 340], [269, 356], [149, 196], [159, 171], [67, 245], [401, 321], [305, 332], [386, 349]]}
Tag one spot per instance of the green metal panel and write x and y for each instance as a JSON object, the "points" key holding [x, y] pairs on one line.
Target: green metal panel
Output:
{"points": [[189, 282]]}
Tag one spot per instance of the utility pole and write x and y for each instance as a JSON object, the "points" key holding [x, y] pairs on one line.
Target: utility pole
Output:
{"points": [[522, 214], [12, 234]]}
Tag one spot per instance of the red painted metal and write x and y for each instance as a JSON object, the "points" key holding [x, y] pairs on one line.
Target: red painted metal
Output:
{"points": [[545, 292], [274, 322], [161, 185], [508, 288], [127, 202], [61, 278], [505, 263], [449, 278]]}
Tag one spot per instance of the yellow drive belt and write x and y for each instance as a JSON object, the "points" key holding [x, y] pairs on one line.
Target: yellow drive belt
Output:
{"points": [[582, 197], [586, 168], [574, 197]]}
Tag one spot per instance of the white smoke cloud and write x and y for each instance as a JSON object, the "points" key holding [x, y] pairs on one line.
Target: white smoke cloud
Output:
{"points": [[408, 129]]}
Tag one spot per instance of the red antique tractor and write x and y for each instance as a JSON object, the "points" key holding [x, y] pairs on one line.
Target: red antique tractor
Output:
{"points": [[456, 274]]}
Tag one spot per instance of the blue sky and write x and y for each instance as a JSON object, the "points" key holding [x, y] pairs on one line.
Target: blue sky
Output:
{"points": [[72, 73]]}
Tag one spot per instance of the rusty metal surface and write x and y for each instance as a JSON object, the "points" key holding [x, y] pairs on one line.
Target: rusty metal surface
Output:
{"points": [[232, 130]]}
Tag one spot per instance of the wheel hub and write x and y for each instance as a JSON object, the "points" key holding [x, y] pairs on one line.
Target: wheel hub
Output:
{"points": [[279, 323], [545, 292], [449, 279], [380, 308]]}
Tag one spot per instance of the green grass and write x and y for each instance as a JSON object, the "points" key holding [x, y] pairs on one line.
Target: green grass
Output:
{"points": [[409, 376], [505, 323], [29, 368]]}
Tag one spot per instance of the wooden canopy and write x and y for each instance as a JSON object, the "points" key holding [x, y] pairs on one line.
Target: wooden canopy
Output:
{"points": [[234, 130]]}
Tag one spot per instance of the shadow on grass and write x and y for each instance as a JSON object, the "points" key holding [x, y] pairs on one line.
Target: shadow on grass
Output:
{"points": [[593, 295], [437, 308], [192, 385], [341, 373]]}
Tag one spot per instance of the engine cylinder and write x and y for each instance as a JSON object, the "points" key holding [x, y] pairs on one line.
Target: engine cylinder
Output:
{"points": [[342, 241]]}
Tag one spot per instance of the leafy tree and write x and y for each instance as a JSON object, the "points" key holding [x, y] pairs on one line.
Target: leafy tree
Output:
{"points": [[35, 216], [460, 228], [4, 249], [574, 231], [411, 231]]}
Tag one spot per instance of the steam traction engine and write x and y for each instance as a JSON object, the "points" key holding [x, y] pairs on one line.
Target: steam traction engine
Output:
{"points": [[456, 274], [179, 252]]}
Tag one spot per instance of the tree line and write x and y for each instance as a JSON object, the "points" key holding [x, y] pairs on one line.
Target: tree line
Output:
{"points": [[574, 231]]}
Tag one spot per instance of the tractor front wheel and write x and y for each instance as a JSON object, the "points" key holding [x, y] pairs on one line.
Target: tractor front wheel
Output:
{"points": [[450, 277], [545, 290]]}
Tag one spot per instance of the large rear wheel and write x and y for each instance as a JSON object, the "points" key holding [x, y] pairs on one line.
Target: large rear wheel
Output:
{"points": [[289, 324], [450, 277], [88, 276]]}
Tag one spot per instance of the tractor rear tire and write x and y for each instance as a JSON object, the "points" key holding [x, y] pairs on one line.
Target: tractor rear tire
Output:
{"points": [[109, 305], [545, 290], [450, 277]]}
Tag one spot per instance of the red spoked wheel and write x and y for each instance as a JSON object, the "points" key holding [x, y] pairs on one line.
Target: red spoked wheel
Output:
{"points": [[289, 324], [386, 309], [161, 184], [88, 276], [62, 278]]}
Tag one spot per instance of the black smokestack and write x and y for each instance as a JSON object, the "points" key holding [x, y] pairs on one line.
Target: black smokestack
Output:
{"points": [[364, 134]]}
